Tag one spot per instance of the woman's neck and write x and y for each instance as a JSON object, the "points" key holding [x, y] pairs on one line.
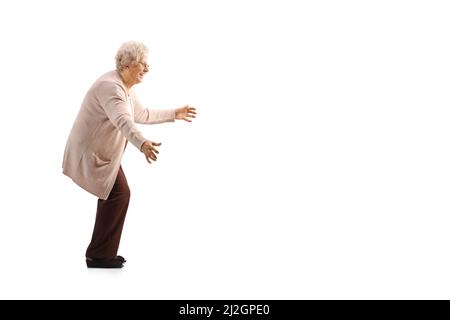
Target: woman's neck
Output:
{"points": [[126, 81]]}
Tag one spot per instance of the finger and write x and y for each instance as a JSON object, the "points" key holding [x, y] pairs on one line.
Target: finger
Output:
{"points": [[152, 156], [156, 144], [148, 160], [149, 153], [185, 119]]}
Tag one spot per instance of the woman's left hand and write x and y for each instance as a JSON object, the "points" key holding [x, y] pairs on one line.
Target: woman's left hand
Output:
{"points": [[185, 113]]}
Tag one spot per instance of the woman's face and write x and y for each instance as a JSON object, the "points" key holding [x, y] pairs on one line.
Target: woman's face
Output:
{"points": [[137, 70]]}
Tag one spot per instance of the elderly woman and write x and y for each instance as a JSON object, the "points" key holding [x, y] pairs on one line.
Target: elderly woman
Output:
{"points": [[102, 129]]}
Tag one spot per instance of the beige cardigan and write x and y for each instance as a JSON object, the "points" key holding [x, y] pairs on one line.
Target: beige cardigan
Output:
{"points": [[105, 122]]}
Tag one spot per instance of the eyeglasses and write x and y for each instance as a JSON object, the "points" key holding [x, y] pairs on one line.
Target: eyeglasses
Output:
{"points": [[143, 64]]}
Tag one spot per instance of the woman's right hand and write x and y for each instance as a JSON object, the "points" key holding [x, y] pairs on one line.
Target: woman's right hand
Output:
{"points": [[149, 150]]}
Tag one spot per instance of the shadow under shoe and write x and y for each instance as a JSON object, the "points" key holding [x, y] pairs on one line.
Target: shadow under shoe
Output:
{"points": [[104, 263]]}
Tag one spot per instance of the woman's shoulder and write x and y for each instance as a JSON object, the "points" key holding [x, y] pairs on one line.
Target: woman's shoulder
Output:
{"points": [[110, 83], [111, 77]]}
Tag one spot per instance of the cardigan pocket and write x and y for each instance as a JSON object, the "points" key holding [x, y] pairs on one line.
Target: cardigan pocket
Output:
{"points": [[99, 162]]}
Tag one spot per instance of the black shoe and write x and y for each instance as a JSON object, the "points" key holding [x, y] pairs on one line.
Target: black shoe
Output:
{"points": [[121, 259], [103, 263]]}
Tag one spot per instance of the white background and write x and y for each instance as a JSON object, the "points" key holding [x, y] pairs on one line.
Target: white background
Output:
{"points": [[318, 167]]}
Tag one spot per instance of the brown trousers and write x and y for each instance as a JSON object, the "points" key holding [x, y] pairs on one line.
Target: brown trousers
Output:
{"points": [[109, 221]]}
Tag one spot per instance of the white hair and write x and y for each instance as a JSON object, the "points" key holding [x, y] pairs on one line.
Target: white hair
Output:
{"points": [[130, 52]]}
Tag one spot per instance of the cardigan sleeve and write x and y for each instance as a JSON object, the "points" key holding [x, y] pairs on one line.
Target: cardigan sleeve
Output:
{"points": [[113, 101], [151, 116]]}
